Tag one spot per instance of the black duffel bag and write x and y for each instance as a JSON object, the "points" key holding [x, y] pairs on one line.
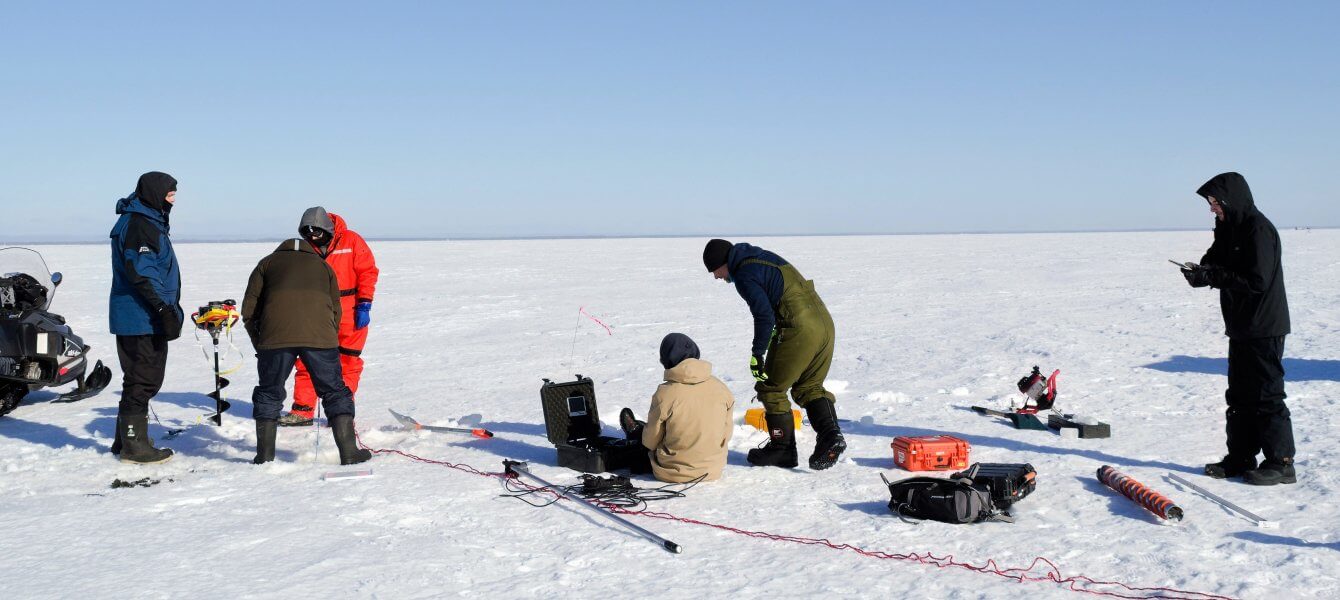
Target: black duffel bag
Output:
{"points": [[945, 500]]}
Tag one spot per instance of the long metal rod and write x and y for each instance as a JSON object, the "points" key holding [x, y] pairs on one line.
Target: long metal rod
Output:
{"points": [[1260, 521], [519, 468]]}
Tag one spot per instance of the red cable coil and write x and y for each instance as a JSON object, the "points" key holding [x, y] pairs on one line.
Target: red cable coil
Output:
{"points": [[1156, 503]]}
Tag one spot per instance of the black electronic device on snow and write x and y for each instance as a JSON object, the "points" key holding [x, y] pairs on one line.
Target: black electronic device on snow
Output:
{"points": [[572, 422]]}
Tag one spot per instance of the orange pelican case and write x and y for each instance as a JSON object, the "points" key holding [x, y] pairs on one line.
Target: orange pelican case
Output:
{"points": [[930, 453]]}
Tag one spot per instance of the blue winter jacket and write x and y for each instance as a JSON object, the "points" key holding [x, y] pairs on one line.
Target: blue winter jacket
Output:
{"points": [[145, 274], [761, 286]]}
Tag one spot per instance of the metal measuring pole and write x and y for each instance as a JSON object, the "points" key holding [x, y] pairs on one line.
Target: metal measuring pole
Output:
{"points": [[517, 468], [1258, 520]]}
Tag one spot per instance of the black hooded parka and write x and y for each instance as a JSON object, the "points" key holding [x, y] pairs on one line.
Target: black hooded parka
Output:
{"points": [[1246, 248]]}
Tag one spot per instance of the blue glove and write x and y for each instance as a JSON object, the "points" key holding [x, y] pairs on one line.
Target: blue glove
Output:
{"points": [[361, 316]]}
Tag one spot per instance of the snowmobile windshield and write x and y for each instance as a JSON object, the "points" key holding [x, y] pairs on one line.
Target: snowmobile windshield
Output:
{"points": [[25, 281]]}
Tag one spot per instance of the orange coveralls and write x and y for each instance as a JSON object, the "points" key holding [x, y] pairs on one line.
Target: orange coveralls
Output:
{"points": [[356, 271]]}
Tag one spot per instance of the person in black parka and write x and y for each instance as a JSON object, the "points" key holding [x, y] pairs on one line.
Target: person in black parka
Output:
{"points": [[1245, 265]]}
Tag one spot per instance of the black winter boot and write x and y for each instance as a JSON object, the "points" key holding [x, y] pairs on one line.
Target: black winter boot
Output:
{"points": [[116, 437], [830, 443], [1230, 466], [632, 428], [780, 451], [1272, 472], [343, 428], [265, 441], [136, 445]]}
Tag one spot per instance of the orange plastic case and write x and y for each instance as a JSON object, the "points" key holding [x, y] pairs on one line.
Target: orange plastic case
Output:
{"points": [[755, 417], [930, 453]]}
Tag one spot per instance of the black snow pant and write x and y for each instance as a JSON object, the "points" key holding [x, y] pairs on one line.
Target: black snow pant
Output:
{"points": [[1257, 419], [273, 368], [143, 364]]}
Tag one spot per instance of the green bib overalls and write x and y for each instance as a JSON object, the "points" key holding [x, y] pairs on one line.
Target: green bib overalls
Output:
{"points": [[801, 350]]}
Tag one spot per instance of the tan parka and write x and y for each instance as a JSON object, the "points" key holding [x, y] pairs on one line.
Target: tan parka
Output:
{"points": [[689, 424]]}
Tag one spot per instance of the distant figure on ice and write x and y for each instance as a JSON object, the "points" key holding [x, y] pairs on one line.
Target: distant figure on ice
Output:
{"points": [[292, 311], [356, 270], [689, 422], [145, 311], [792, 349], [1244, 263]]}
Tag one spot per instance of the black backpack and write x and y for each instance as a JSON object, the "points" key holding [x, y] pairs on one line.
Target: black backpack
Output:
{"points": [[945, 500]]}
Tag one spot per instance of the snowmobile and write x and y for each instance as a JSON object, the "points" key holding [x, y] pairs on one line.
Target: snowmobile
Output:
{"points": [[37, 348]]}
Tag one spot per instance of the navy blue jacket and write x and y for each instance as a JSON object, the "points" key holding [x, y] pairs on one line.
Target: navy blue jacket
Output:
{"points": [[145, 274], [761, 286]]}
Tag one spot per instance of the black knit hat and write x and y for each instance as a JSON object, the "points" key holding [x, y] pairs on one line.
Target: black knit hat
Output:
{"points": [[716, 253], [675, 348]]}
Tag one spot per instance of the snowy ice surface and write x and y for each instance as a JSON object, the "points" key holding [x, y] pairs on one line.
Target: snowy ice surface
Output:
{"points": [[927, 326]]}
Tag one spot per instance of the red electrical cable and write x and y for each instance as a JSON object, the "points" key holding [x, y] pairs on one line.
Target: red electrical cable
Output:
{"points": [[1073, 583]]}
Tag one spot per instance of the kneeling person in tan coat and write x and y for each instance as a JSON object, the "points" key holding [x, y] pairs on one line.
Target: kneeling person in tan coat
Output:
{"points": [[689, 423]]}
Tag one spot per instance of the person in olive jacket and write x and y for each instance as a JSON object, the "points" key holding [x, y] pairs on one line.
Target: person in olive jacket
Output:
{"points": [[1245, 265], [292, 310], [793, 347]]}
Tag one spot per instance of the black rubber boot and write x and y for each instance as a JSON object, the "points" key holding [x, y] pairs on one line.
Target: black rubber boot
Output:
{"points": [[1272, 472], [116, 437], [632, 428], [136, 445], [1230, 466], [780, 451], [265, 441], [830, 443], [343, 428]]}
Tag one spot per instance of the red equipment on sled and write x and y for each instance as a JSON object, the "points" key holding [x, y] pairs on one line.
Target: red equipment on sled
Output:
{"points": [[1039, 390]]}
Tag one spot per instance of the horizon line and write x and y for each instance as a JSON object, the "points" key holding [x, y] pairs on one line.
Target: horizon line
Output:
{"points": [[491, 238]]}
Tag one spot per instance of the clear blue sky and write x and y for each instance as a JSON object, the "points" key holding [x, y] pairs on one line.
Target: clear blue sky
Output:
{"points": [[437, 119]]}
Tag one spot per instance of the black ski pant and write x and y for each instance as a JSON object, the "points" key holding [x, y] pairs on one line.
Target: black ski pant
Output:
{"points": [[273, 368], [1257, 419], [143, 364]]}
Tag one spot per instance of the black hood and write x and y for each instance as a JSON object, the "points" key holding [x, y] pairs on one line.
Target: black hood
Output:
{"points": [[153, 189], [675, 348], [1231, 191]]}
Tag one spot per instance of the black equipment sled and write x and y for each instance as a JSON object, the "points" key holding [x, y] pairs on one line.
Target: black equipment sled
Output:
{"points": [[37, 348], [572, 423]]}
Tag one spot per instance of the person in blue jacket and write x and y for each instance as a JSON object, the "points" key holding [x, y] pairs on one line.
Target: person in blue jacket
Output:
{"points": [[792, 350], [145, 311]]}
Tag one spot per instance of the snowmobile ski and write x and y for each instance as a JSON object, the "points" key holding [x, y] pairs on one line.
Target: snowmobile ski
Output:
{"points": [[89, 385], [409, 423]]}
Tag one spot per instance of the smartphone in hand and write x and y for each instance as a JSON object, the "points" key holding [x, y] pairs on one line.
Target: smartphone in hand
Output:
{"points": [[1186, 266]]}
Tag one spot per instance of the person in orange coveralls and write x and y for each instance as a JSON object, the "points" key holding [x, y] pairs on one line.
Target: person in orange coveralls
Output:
{"points": [[356, 270]]}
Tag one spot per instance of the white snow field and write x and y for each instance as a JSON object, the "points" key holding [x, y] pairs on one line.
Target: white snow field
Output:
{"points": [[927, 326]]}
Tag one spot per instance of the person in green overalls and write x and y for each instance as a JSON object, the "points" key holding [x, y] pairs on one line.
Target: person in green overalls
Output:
{"points": [[792, 350]]}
